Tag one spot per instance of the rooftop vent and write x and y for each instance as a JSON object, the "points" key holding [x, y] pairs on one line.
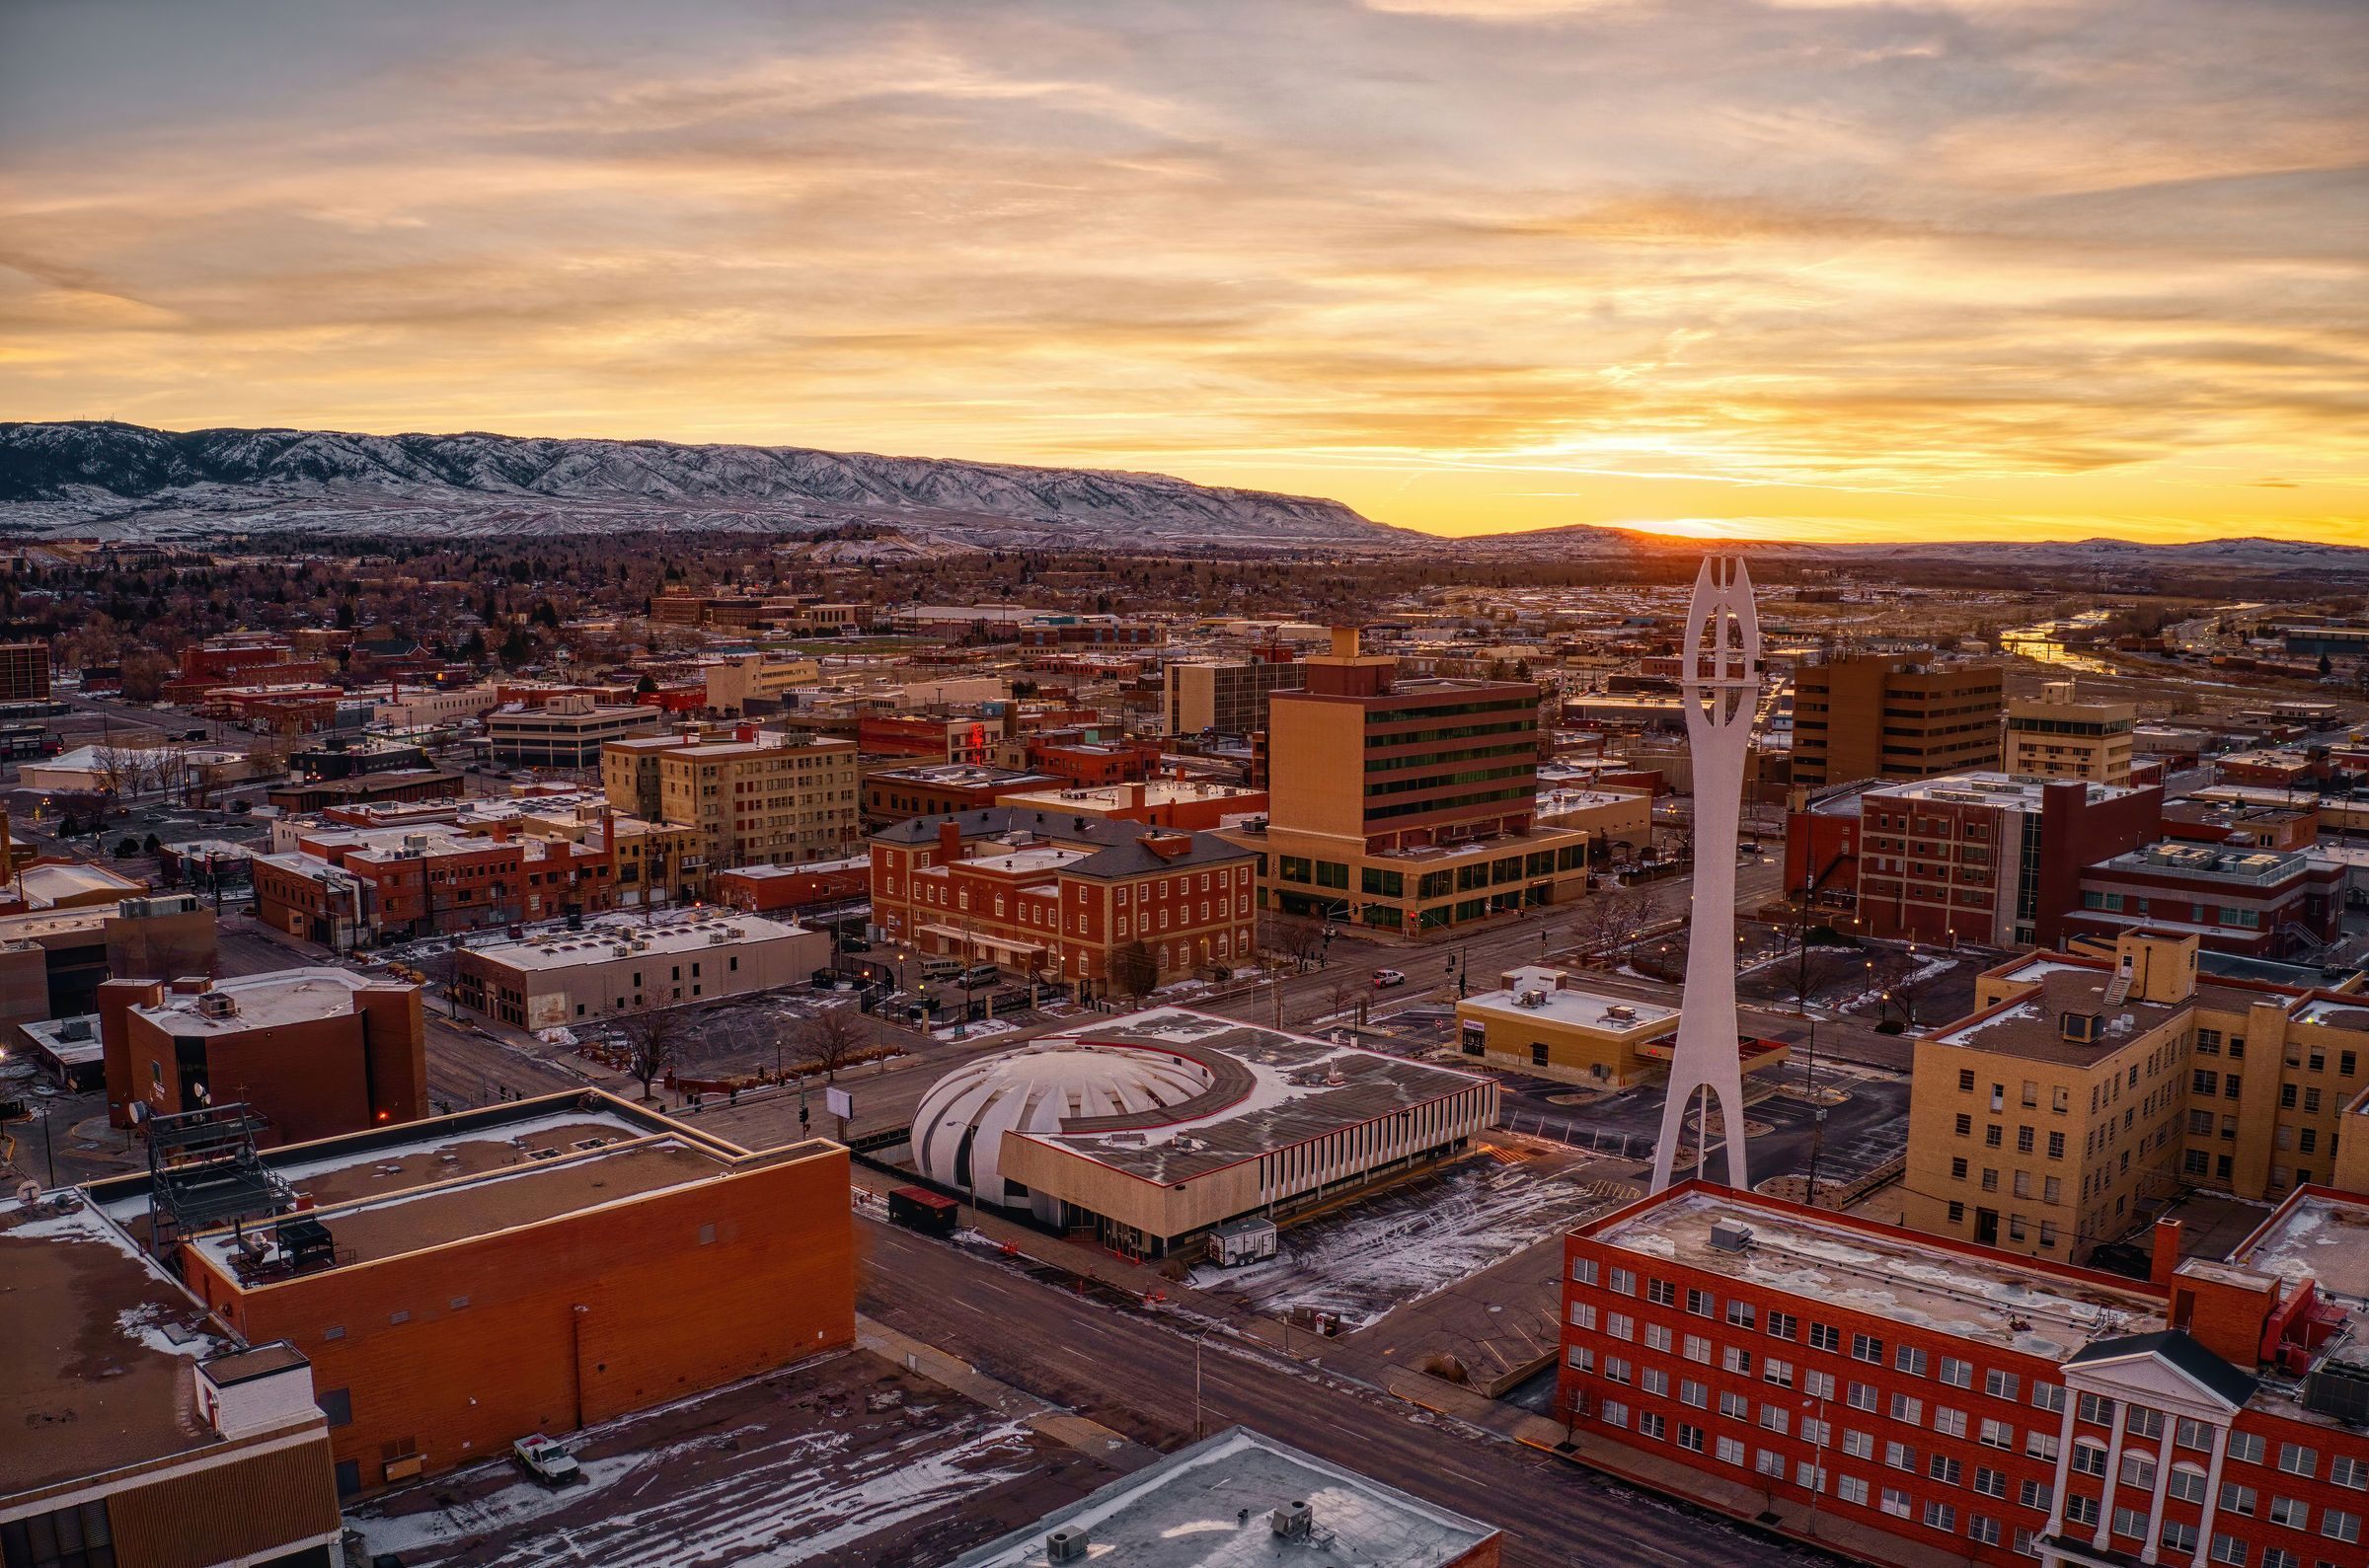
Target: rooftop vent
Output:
{"points": [[2079, 1027], [217, 1004], [1293, 1520], [1066, 1544], [1620, 1010], [1730, 1236]]}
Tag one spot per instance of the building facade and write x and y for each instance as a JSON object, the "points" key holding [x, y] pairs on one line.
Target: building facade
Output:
{"points": [[2258, 903], [24, 672], [565, 732], [562, 977], [1405, 806], [1227, 699], [2054, 736], [1886, 716]]}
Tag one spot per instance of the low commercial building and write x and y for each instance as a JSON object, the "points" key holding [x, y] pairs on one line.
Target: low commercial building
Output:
{"points": [[1151, 1128], [893, 794], [415, 707], [1546, 1022], [565, 732], [1267, 1499], [51, 963], [136, 1430], [369, 789], [2255, 902], [316, 1052], [67, 1051], [762, 889], [1608, 817], [1157, 803], [551, 980], [541, 1265], [756, 683], [1907, 1399]]}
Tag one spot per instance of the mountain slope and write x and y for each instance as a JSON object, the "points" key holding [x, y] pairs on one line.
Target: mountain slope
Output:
{"points": [[78, 474]]}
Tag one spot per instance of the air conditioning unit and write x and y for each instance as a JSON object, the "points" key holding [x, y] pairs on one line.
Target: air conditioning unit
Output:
{"points": [[217, 1004], [1066, 1544], [1621, 1012], [1730, 1236], [1293, 1520]]}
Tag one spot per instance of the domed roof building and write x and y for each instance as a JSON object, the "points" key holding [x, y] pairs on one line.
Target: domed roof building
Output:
{"points": [[961, 1121]]}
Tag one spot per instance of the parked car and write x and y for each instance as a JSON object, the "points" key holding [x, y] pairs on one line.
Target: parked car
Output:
{"points": [[1386, 978], [546, 1459]]}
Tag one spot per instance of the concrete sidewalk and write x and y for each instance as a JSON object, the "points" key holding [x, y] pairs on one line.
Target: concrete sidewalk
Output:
{"points": [[1038, 1415]]}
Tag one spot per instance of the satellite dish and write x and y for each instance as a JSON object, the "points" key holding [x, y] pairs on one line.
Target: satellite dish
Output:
{"points": [[29, 1193]]}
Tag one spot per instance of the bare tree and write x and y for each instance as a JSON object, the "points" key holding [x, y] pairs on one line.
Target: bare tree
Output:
{"points": [[654, 1040], [1816, 969], [833, 1038], [1134, 971], [1903, 978], [1296, 937]]}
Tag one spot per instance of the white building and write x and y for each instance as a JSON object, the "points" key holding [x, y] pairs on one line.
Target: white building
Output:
{"points": [[415, 707], [569, 977]]}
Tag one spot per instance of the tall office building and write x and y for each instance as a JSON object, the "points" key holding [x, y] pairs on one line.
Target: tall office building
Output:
{"points": [[1407, 805], [1890, 715], [1230, 698], [2053, 736]]}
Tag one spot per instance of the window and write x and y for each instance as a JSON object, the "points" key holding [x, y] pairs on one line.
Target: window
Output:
{"points": [[1867, 1347], [1862, 1396], [1858, 1445], [2291, 1511], [2138, 1471], [1941, 1515], [1909, 1359], [1731, 1451], [1851, 1489], [2033, 1494], [1957, 1211], [2131, 1522], [2349, 1472], [1818, 1385], [1655, 1382], [2048, 1397], [1736, 1360], [2296, 1459], [2337, 1526], [1808, 1477], [1661, 1293], [338, 1405], [1651, 1424], [2185, 1483], [2089, 1458], [79, 1537], [1998, 1434], [1616, 1369], [1775, 1418], [1957, 1373], [1768, 1461], [2180, 1537], [1825, 1336], [1702, 1304], [1583, 1270], [2023, 1140], [1622, 1283], [1993, 1136], [2097, 1410], [2246, 1446], [1983, 1529], [2040, 1445], [1741, 1314], [2230, 1549], [2080, 1510], [1899, 1455], [1698, 1348], [1818, 1434], [2140, 1421], [1735, 1405], [2235, 1498], [1895, 1502], [1657, 1337], [1615, 1413], [1942, 1467], [1965, 1127], [2000, 1384], [1582, 1358], [1780, 1373], [2192, 1435], [1584, 1316], [1785, 1325], [1947, 1422], [1619, 1325], [1689, 1438]]}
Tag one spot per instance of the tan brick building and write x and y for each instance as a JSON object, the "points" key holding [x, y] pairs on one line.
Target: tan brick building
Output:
{"points": [[1886, 716], [2085, 1093], [757, 799]]}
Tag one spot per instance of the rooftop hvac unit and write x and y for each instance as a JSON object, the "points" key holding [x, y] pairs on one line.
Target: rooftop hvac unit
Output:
{"points": [[1066, 1544], [1620, 1010], [716, 938], [736, 932], [74, 1029], [217, 1004], [1531, 998], [2340, 1387], [1293, 1519], [1730, 1236]]}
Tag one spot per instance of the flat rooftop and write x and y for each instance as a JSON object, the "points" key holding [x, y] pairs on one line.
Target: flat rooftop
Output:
{"points": [[2317, 1236], [2031, 1027], [1213, 1503], [52, 1036], [389, 1192], [2014, 791], [101, 1344], [268, 1000], [1571, 1006], [1991, 1297], [1269, 1090], [600, 944], [1156, 793]]}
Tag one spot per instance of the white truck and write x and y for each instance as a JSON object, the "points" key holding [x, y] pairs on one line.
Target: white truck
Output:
{"points": [[546, 1459]]}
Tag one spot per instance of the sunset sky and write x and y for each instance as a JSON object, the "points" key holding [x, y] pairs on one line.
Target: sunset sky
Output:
{"points": [[1999, 269]]}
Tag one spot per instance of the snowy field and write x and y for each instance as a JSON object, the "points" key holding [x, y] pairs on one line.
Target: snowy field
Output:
{"points": [[1361, 1260]]}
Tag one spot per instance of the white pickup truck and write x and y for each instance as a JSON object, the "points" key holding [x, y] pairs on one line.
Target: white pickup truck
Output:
{"points": [[546, 1459]]}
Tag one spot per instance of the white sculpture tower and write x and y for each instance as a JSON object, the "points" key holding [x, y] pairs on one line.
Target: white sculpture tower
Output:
{"points": [[1722, 694]]}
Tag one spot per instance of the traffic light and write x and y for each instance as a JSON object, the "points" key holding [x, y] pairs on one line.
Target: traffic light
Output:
{"points": [[802, 1116], [1451, 963]]}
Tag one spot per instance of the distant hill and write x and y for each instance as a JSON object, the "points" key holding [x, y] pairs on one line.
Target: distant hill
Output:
{"points": [[85, 477], [2251, 556]]}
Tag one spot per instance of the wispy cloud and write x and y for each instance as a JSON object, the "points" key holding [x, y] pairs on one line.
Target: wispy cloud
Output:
{"points": [[1911, 262]]}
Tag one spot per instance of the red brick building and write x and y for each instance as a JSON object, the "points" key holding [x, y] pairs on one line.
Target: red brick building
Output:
{"points": [[1910, 1399], [317, 1051], [1980, 857], [763, 889], [526, 1268], [2253, 902]]}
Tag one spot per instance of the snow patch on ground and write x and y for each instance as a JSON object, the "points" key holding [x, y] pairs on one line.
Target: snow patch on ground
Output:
{"points": [[1365, 1260]]}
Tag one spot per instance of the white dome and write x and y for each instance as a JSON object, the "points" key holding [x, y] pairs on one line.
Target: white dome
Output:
{"points": [[959, 1128]]}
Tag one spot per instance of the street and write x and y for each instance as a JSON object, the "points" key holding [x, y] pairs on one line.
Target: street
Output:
{"points": [[1134, 1372]]}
